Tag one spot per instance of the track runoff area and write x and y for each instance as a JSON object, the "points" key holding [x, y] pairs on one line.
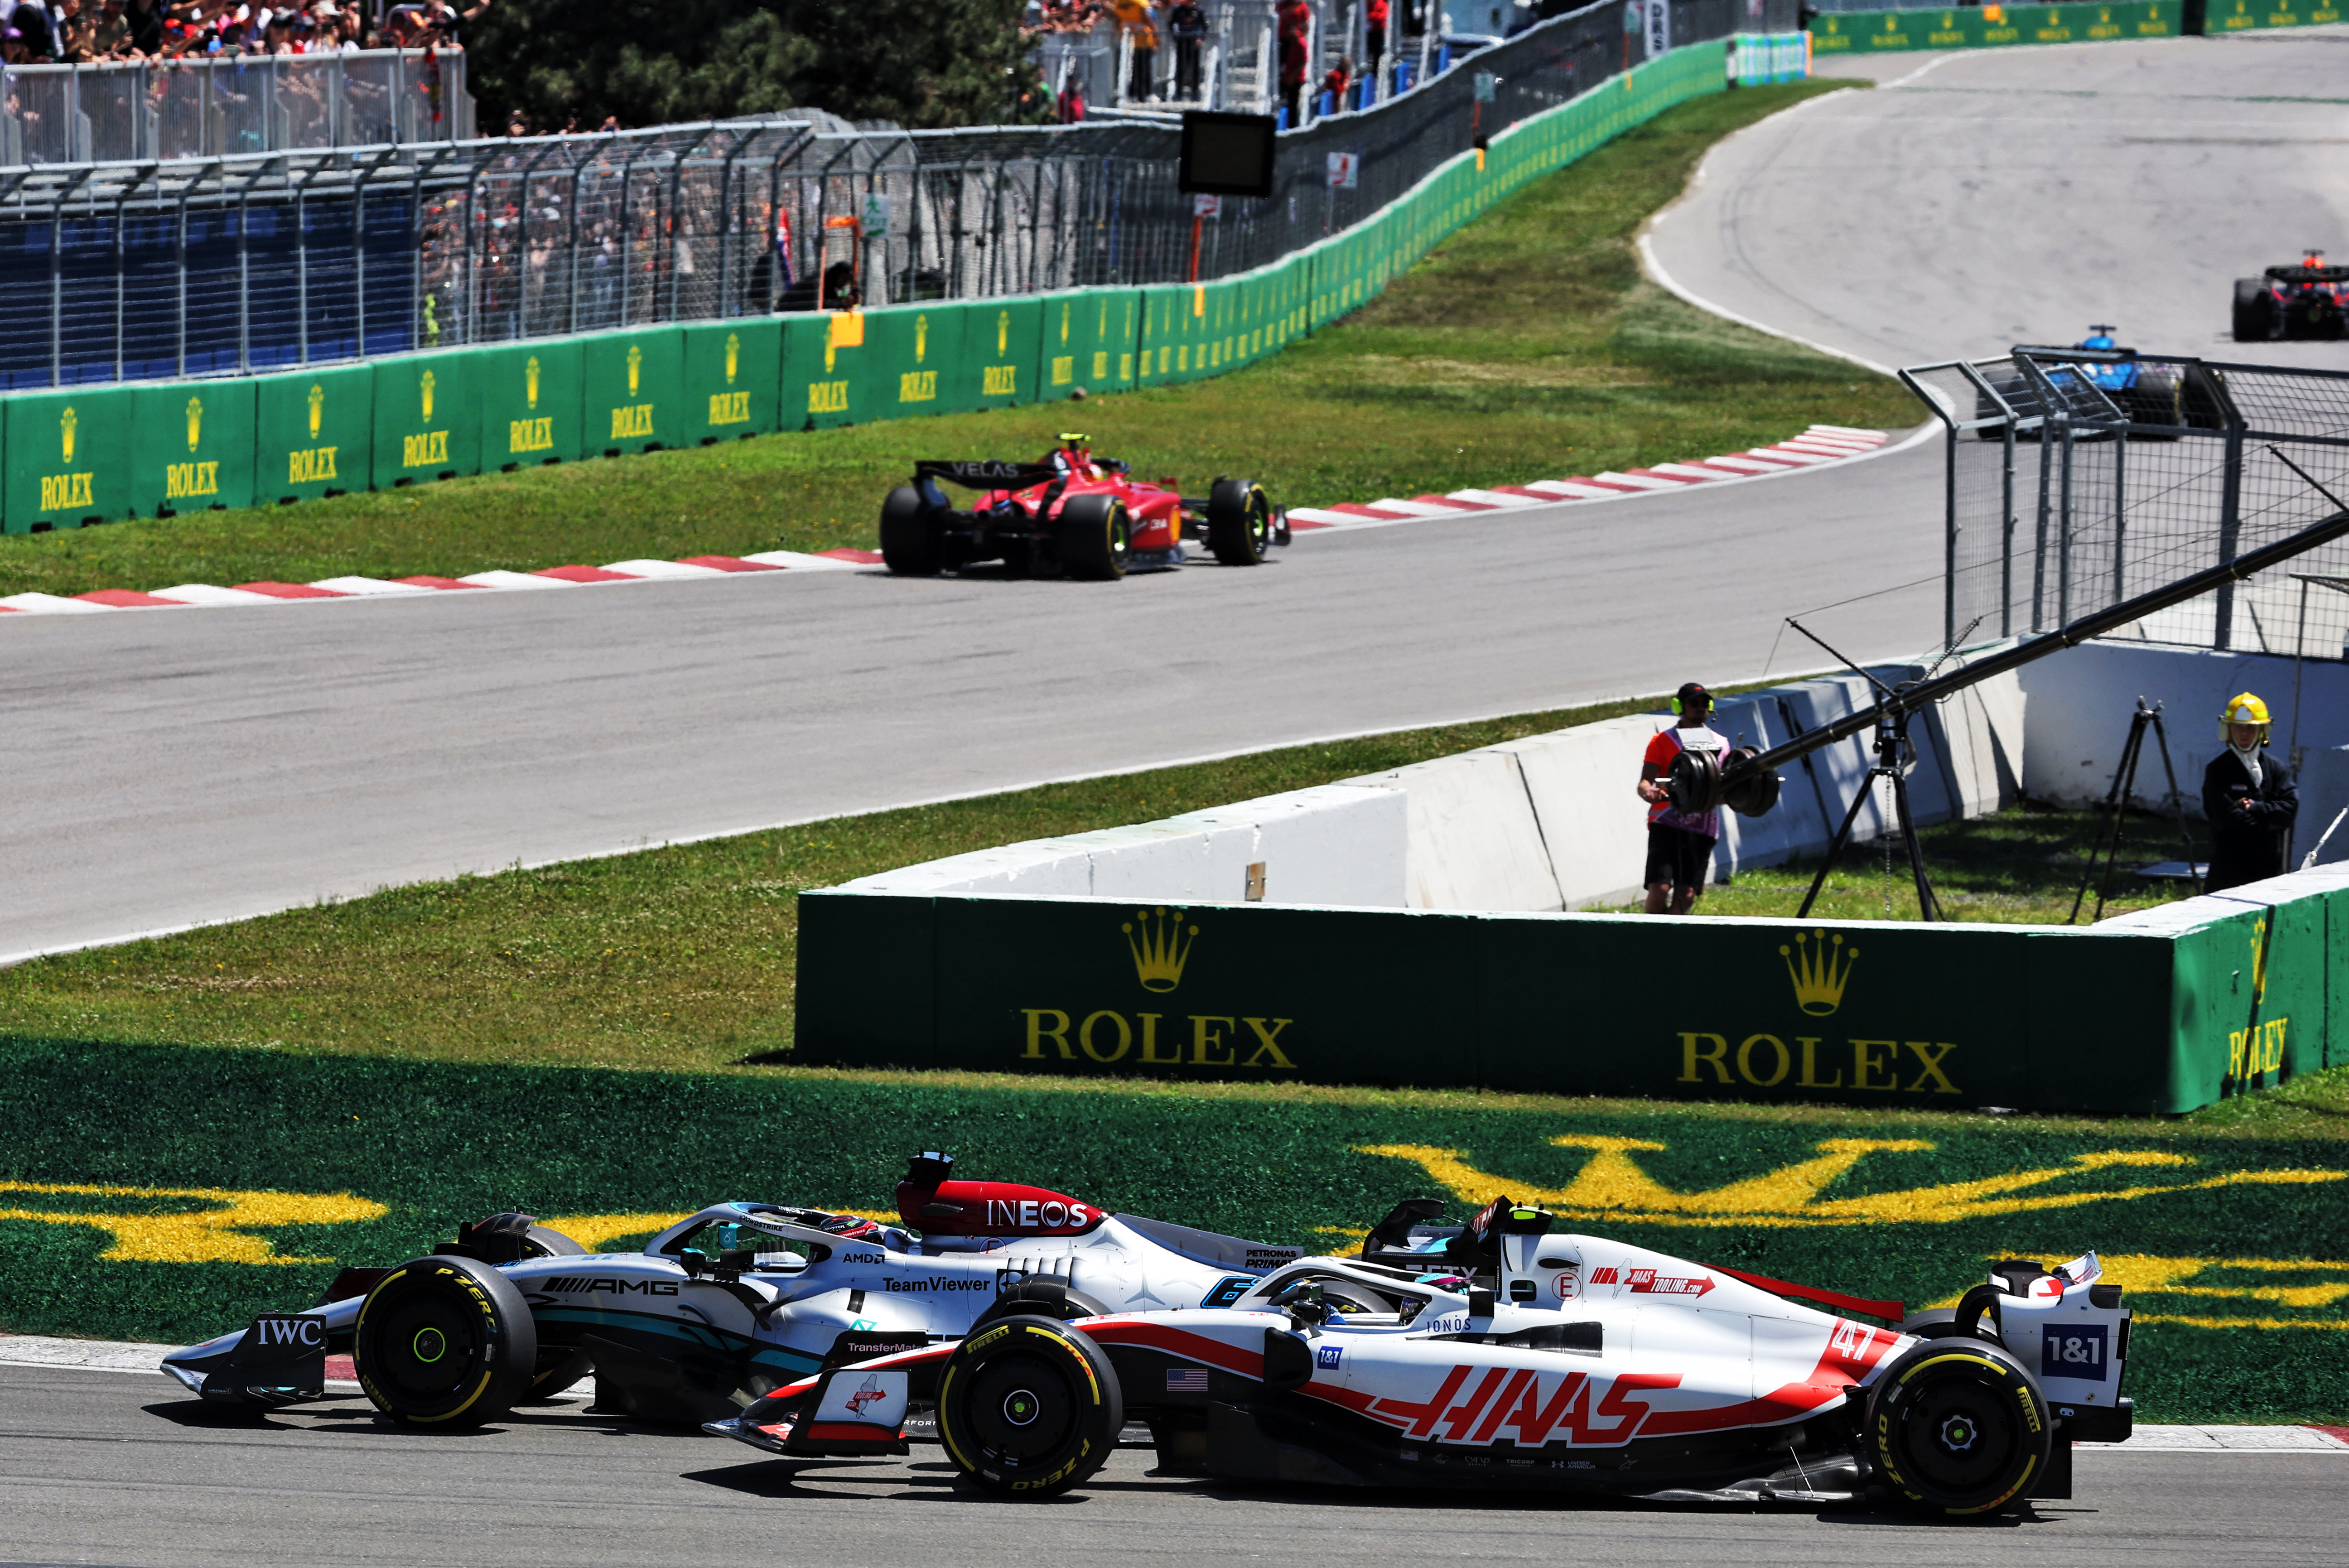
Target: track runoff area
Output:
{"points": [[103, 1465]]}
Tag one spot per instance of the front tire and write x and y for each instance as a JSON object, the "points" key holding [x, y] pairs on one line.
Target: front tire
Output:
{"points": [[1958, 1430], [445, 1341], [1029, 1407], [1094, 537], [1240, 521], [910, 545]]}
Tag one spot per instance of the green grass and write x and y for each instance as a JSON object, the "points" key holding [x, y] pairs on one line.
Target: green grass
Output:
{"points": [[2022, 866], [1525, 347], [2240, 1283]]}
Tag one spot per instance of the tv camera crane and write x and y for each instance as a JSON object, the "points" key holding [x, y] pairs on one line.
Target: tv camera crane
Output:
{"points": [[1748, 782]]}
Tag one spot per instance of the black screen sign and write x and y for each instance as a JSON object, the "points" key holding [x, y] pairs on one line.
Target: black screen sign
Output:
{"points": [[1225, 154]]}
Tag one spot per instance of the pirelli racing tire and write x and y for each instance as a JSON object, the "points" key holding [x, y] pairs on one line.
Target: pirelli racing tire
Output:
{"points": [[1958, 1429], [910, 545], [2255, 311], [1240, 521], [1029, 1407], [444, 1342], [1093, 536]]}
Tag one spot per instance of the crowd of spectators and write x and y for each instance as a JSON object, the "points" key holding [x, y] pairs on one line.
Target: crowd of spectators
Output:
{"points": [[71, 32], [1148, 26]]}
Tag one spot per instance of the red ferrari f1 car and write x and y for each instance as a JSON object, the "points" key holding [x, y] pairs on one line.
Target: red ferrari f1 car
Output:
{"points": [[2310, 300], [1073, 514]]}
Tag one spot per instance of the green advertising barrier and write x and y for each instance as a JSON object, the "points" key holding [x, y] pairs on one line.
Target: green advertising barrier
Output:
{"points": [[427, 417], [631, 392], [529, 400], [825, 371], [1088, 341], [68, 458], [732, 369], [313, 433], [2243, 15], [2134, 1017], [1994, 26], [192, 447], [1002, 338], [915, 353]]}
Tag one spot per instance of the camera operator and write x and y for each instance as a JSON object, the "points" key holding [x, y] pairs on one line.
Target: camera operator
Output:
{"points": [[2250, 800], [1679, 844]]}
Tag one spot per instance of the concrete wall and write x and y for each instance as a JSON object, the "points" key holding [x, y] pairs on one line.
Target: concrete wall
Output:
{"points": [[2323, 792], [2076, 718]]}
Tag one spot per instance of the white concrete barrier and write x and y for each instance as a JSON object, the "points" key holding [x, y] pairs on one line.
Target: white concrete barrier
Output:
{"points": [[1594, 827], [1978, 733], [1473, 842], [2076, 716], [1332, 844]]}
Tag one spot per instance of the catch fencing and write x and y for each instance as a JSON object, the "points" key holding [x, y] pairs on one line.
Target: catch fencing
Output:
{"points": [[237, 265], [2077, 480], [136, 110], [94, 453]]}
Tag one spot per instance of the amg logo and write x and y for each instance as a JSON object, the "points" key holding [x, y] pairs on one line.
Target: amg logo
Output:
{"points": [[530, 435], [308, 466], [1001, 381], [631, 420], [190, 479], [423, 449], [572, 1285], [729, 408], [827, 396], [65, 490], [917, 386], [1064, 369]]}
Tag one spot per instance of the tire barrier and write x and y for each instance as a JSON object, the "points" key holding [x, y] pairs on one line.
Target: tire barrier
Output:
{"points": [[102, 453]]}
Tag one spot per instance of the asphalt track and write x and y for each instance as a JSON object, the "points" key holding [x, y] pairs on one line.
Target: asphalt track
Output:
{"points": [[174, 767], [1974, 201], [118, 1469]]}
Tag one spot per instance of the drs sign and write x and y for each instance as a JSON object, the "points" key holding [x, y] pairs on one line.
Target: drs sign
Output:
{"points": [[1659, 28]]}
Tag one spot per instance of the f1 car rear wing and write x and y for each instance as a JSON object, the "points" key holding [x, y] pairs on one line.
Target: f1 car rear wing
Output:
{"points": [[987, 474]]}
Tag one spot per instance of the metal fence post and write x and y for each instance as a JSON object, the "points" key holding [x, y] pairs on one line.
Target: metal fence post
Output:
{"points": [[1950, 537], [2064, 535], [2006, 532], [2038, 541], [2231, 527], [58, 277], [2120, 510]]}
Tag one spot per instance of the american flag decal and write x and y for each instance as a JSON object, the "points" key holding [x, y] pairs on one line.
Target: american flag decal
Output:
{"points": [[1187, 1380]]}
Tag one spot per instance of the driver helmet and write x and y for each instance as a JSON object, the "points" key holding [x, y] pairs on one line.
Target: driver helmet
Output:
{"points": [[2244, 708], [2099, 336], [1074, 455]]}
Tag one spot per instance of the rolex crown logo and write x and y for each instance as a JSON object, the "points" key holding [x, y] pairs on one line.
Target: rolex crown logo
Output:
{"points": [[195, 422], [424, 385], [1819, 976], [635, 366], [530, 380], [65, 424], [733, 356], [317, 410], [921, 337], [1160, 947]]}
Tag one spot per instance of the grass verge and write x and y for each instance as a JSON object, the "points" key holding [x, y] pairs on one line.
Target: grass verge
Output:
{"points": [[1525, 347], [162, 1192]]}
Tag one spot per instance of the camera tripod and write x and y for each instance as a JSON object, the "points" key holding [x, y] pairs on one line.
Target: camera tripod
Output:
{"points": [[1893, 753], [2116, 807]]}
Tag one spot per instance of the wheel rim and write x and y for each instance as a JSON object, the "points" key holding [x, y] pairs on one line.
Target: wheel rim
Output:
{"points": [[1259, 524], [1960, 1436], [1021, 1410], [428, 1349], [1121, 540]]}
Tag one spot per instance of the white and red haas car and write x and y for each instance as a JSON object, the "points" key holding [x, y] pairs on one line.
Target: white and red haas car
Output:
{"points": [[1500, 1356]]}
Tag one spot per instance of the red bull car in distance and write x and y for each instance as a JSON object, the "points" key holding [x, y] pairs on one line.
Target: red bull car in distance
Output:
{"points": [[719, 1309], [1073, 514], [1502, 1356], [2310, 300]]}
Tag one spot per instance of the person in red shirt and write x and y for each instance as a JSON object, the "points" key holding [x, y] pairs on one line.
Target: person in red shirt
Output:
{"points": [[1375, 33], [1341, 77], [1680, 843], [1296, 21]]}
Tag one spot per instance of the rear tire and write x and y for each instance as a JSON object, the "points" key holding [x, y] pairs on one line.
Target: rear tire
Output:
{"points": [[2255, 311], [1239, 523], [1029, 1407], [1958, 1430], [910, 545], [1094, 537], [445, 1341]]}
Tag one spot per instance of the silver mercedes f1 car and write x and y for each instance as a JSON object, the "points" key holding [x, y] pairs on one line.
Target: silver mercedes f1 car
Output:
{"points": [[718, 1309]]}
